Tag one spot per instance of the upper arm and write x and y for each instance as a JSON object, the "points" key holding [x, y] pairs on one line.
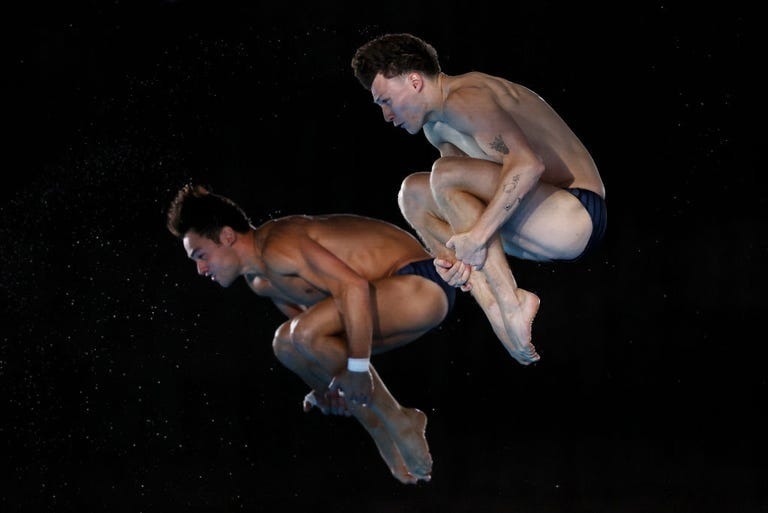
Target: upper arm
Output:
{"points": [[446, 149], [477, 112], [313, 263]]}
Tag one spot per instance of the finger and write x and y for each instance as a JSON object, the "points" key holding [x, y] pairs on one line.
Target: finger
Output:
{"points": [[442, 264], [450, 277], [465, 273]]}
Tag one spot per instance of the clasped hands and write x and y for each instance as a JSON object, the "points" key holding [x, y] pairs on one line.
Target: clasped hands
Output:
{"points": [[470, 255]]}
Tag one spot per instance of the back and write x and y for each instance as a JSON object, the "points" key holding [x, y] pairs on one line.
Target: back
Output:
{"points": [[372, 247]]}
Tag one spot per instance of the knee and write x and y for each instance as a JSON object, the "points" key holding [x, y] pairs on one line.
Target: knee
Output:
{"points": [[294, 338], [303, 337], [413, 195], [282, 343], [445, 175]]}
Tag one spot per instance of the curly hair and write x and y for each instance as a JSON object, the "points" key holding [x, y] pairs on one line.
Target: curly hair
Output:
{"points": [[393, 55], [196, 208]]}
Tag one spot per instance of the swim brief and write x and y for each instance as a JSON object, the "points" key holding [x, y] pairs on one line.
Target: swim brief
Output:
{"points": [[426, 268], [595, 205]]}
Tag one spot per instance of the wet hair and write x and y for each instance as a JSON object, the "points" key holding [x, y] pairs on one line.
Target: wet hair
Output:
{"points": [[393, 55], [197, 209]]}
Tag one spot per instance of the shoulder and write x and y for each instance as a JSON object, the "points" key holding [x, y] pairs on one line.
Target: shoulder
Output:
{"points": [[473, 92], [282, 238]]}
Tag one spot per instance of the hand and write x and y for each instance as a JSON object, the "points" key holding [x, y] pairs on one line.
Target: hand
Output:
{"points": [[329, 403], [468, 250], [357, 387], [455, 274]]}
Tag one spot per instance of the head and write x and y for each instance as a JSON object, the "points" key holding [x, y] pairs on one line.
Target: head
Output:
{"points": [[394, 68], [209, 226]]}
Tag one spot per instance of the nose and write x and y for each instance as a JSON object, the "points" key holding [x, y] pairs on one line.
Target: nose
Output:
{"points": [[389, 116]]}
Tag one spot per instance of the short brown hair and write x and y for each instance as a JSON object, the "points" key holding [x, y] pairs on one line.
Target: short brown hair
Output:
{"points": [[393, 55], [197, 209]]}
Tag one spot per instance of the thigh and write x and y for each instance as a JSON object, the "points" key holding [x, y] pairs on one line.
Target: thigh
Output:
{"points": [[404, 308], [407, 307], [550, 223]]}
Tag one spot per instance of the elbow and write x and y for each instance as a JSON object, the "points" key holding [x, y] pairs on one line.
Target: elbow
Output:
{"points": [[536, 167]]}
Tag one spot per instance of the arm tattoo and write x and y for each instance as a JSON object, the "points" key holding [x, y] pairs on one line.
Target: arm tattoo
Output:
{"points": [[510, 187], [498, 145]]}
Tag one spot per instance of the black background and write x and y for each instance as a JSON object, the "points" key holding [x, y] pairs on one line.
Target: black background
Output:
{"points": [[131, 385]]}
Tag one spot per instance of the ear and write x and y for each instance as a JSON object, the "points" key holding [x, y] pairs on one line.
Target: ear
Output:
{"points": [[415, 81], [228, 236]]}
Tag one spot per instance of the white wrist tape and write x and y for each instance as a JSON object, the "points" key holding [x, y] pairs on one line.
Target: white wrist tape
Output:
{"points": [[358, 364]]}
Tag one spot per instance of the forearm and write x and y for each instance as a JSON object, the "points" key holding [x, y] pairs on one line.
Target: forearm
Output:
{"points": [[356, 310], [515, 183]]}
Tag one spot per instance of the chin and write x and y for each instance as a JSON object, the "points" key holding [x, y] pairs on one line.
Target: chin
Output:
{"points": [[224, 283]]}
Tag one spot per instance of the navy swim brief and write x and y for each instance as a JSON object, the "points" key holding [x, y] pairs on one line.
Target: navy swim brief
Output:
{"points": [[595, 205], [426, 268]]}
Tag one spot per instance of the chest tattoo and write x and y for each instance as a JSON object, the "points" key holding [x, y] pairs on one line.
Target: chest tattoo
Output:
{"points": [[498, 145]]}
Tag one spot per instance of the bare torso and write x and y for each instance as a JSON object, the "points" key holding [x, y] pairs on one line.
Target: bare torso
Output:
{"points": [[372, 248], [567, 162]]}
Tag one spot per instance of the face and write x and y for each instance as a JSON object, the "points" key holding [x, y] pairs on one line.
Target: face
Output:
{"points": [[400, 100], [215, 260]]}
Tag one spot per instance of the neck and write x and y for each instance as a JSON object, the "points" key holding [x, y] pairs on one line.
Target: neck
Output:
{"points": [[438, 92], [441, 85], [249, 250]]}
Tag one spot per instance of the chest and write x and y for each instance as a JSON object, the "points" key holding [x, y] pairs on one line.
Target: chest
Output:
{"points": [[287, 288]]}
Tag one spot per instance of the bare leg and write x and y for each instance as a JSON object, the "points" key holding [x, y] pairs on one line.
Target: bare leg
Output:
{"points": [[509, 309], [519, 325], [406, 427], [399, 433], [384, 443]]}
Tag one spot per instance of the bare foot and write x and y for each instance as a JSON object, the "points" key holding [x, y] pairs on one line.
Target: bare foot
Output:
{"points": [[410, 438], [520, 327], [388, 449], [514, 330], [392, 457], [384, 443]]}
